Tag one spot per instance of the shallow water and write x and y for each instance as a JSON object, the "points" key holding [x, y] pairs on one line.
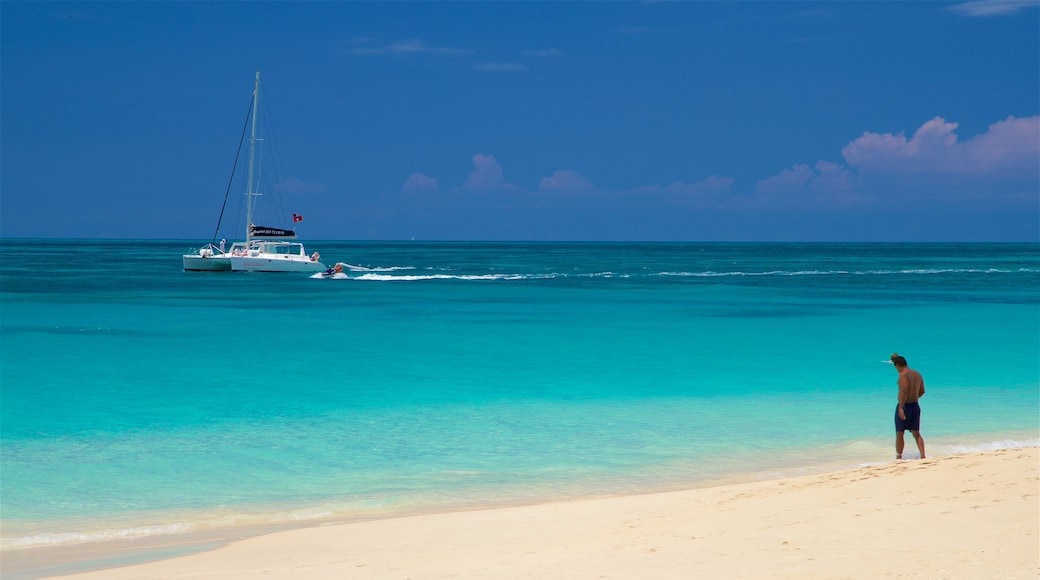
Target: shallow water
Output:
{"points": [[141, 401]]}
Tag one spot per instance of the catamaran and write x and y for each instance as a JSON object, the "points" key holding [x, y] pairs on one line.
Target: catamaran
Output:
{"points": [[265, 249]]}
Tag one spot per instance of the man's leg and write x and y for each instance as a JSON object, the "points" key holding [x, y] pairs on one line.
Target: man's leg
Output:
{"points": [[920, 442], [899, 444]]}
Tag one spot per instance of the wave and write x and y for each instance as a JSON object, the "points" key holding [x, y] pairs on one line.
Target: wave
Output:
{"points": [[387, 274], [379, 277], [187, 524], [70, 538], [937, 449], [990, 446], [414, 277]]}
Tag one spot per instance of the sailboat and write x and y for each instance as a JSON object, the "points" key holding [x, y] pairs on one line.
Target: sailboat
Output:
{"points": [[265, 249]]}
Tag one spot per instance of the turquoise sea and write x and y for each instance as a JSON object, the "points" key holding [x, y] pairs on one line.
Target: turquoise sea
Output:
{"points": [[146, 410]]}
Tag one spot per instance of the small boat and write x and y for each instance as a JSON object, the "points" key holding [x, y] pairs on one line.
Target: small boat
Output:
{"points": [[265, 249], [334, 273]]}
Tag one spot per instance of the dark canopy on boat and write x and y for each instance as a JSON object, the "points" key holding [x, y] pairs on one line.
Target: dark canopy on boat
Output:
{"points": [[266, 232]]}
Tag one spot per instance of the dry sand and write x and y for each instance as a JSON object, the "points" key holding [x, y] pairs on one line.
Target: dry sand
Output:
{"points": [[963, 516]]}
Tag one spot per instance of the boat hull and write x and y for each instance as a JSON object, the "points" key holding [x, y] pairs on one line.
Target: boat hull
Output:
{"points": [[196, 263], [278, 263]]}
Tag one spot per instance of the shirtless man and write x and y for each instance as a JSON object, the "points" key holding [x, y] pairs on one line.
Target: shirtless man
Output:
{"points": [[908, 412]]}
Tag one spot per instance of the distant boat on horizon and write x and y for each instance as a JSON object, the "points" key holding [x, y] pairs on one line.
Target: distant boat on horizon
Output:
{"points": [[265, 249]]}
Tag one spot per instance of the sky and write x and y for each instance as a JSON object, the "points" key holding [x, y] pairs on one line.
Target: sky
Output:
{"points": [[525, 121]]}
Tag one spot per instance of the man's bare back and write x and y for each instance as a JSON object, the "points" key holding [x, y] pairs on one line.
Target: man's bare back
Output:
{"points": [[911, 386]]}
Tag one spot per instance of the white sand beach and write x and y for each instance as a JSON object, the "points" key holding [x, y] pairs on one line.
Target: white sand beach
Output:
{"points": [[964, 516]]}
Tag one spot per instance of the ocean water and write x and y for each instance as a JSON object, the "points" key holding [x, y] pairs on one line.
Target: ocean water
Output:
{"points": [[142, 403]]}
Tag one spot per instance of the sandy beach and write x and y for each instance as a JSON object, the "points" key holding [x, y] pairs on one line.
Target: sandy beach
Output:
{"points": [[963, 516]]}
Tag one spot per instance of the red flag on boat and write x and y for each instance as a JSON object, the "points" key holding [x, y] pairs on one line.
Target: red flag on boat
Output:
{"points": [[296, 218]]}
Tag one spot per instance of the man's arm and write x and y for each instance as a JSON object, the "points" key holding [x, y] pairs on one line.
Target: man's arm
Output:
{"points": [[903, 391]]}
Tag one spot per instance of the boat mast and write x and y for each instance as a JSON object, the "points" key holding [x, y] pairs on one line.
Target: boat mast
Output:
{"points": [[250, 193]]}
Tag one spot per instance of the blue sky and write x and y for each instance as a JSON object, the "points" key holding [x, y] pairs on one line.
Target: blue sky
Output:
{"points": [[699, 121]]}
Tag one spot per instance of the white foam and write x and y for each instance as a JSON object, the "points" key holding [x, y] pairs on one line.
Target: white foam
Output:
{"points": [[468, 277], [383, 274], [951, 449], [356, 268], [80, 537], [182, 523], [957, 449]]}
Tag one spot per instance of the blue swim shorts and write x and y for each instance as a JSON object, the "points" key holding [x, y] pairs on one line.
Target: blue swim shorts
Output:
{"points": [[913, 417]]}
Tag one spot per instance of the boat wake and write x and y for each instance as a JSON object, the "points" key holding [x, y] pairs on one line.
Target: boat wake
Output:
{"points": [[394, 273]]}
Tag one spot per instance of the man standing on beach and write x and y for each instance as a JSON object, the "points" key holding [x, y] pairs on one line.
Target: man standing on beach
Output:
{"points": [[908, 412]]}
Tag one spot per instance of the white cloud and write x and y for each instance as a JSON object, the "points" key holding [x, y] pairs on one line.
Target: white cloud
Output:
{"points": [[982, 8], [825, 182], [404, 47], [1011, 144], [832, 178], [487, 175], [930, 165], [564, 180], [419, 183], [1004, 160], [1008, 146], [713, 185], [788, 180]]}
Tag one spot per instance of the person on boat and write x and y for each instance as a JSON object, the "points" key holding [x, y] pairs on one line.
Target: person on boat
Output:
{"points": [[315, 257], [222, 242], [337, 269]]}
